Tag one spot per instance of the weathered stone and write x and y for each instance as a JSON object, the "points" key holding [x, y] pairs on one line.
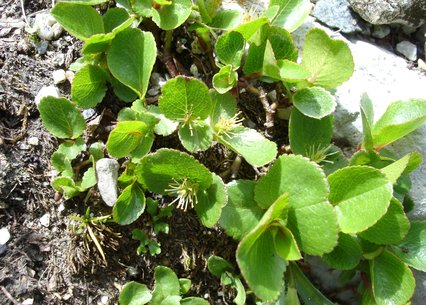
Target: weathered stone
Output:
{"points": [[4, 236], [338, 15], [107, 175], [407, 12]]}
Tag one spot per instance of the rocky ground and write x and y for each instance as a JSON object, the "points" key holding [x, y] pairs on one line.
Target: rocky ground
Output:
{"points": [[42, 259]]}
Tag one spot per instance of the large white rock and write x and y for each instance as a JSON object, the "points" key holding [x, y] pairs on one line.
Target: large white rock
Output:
{"points": [[386, 78], [107, 175]]}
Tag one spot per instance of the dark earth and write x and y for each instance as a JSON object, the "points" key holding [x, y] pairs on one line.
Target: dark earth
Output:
{"points": [[50, 263]]}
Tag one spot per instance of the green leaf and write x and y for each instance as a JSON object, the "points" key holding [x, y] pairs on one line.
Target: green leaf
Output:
{"points": [[250, 28], [367, 114], [130, 205], [246, 142], [403, 166], [61, 118], [225, 79], [314, 102], [229, 48], [288, 14], [88, 180], [399, 119], [97, 43], [285, 244], [166, 284], [66, 186], [211, 201], [164, 127], [392, 280], [291, 72], [158, 170], [224, 106], [282, 47], [196, 136], [86, 2], [79, 20], [71, 149], [62, 164], [260, 265], [312, 219], [134, 293], [346, 255], [172, 300], [89, 86], [131, 58], [391, 228], [194, 301], [308, 135], [125, 138], [169, 17], [143, 148], [123, 92], [314, 227], [308, 293], [412, 249], [242, 213], [218, 265], [185, 285], [114, 17], [329, 61], [225, 19], [287, 175], [185, 99], [361, 196]]}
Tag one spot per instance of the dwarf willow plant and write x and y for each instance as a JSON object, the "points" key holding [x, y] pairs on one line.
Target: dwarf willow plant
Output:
{"points": [[315, 201]]}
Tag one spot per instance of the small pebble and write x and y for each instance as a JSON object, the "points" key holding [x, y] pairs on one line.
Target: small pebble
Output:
{"points": [[45, 220], [422, 64], [104, 299], [381, 31], [33, 141], [70, 76], [24, 146], [41, 47], [59, 76], [46, 91], [88, 113], [28, 302], [408, 49], [4, 236]]}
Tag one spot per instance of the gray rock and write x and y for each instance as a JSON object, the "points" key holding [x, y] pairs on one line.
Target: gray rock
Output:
{"points": [[338, 15], [406, 12], [381, 31], [408, 49], [107, 175], [46, 91]]}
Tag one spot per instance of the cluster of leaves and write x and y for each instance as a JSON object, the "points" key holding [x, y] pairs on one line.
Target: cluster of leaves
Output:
{"points": [[168, 289], [349, 212]]}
